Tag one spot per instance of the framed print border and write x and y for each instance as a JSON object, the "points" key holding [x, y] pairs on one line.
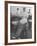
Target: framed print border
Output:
{"points": [[6, 22]]}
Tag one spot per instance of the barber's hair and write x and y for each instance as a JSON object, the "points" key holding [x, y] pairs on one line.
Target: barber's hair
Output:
{"points": [[24, 9], [17, 9]]}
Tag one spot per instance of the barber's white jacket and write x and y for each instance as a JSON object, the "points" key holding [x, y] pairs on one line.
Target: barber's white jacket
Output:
{"points": [[23, 20]]}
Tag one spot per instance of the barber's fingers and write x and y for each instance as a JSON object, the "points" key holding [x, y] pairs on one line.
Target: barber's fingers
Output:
{"points": [[14, 22]]}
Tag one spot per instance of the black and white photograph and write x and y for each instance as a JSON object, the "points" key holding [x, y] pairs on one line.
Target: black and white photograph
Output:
{"points": [[20, 22]]}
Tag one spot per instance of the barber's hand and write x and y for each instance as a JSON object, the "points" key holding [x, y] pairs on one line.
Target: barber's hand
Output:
{"points": [[15, 22], [23, 21]]}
